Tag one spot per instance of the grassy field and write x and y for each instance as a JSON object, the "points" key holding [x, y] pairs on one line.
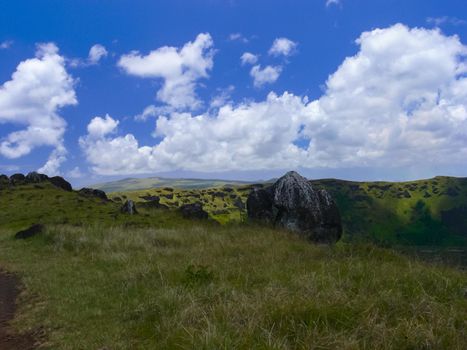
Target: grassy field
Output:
{"points": [[230, 287], [100, 279]]}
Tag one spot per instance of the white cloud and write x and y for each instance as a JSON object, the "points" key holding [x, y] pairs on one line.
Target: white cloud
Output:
{"points": [[223, 97], [96, 53], [38, 88], [238, 37], [248, 136], [283, 47], [6, 44], [266, 75], [332, 2], [180, 70], [100, 127], [401, 101], [249, 58]]}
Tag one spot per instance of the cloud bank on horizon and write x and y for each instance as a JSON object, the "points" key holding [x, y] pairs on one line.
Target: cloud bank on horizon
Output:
{"points": [[399, 101]]}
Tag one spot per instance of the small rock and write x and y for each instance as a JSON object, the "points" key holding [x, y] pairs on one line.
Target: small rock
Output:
{"points": [[129, 208], [193, 211], [30, 232]]}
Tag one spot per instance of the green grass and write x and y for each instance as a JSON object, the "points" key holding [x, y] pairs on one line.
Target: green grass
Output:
{"points": [[231, 287]]}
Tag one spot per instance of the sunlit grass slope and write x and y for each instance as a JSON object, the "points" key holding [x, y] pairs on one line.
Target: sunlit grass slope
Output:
{"points": [[229, 287]]}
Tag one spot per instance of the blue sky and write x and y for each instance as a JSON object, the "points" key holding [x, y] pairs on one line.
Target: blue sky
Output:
{"points": [[307, 96]]}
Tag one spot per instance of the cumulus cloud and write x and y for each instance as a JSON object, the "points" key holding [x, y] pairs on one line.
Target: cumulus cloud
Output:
{"points": [[266, 75], [38, 89], [96, 53], [249, 58], [283, 47], [180, 69], [99, 127], [401, 101], [249, 136]]}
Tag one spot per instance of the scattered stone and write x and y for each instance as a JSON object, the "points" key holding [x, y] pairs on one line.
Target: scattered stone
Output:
{"points": [[193, 211], [32, 231], [129, 208], [60, 182], [90, 192], [292, 202]]}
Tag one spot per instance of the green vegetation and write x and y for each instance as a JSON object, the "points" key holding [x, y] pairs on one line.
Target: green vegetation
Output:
{"points": [[100, 279], [229, 287], [426, 212]]}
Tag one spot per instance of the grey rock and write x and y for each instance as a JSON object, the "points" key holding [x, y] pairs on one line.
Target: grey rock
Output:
{"points": [[129, 208], [17, 179], [90, 192], [193, 211], [35, 177], [293, 203], [60, 182]]}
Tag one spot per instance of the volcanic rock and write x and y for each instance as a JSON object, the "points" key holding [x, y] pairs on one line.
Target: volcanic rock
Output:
{"points": [[90, 192], [60, 182], [293, 203], [193, 211]]}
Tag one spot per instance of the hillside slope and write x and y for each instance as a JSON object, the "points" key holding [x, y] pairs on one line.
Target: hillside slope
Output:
{"points": [[424, 212], [134, 184]]}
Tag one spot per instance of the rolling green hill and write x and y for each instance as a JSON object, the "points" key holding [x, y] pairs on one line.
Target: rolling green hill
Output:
{"points": [[424, 212], [134, 184], [100, 279]]}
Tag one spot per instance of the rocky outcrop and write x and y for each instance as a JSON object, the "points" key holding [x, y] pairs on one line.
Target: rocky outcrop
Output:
{"points": [[193, 211], [34, 177], [129, 208], [293, 203], [4, 181], [32, 231], [90, 192], [17, 179], [60, 182]]}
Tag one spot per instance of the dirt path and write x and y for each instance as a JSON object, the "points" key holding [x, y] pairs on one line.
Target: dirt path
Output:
{"points": [[9, 291]]}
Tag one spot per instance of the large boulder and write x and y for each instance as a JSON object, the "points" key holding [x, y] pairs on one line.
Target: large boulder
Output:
{"points": [[193, 211], [293, 203], [60, 182], [90, 192]]}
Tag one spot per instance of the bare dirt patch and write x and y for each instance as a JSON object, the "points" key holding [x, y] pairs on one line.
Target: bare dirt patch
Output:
{"points": [[9, 291]]}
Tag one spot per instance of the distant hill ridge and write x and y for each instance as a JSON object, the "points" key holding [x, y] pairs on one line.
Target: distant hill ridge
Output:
{"points": [[135, 184]]}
